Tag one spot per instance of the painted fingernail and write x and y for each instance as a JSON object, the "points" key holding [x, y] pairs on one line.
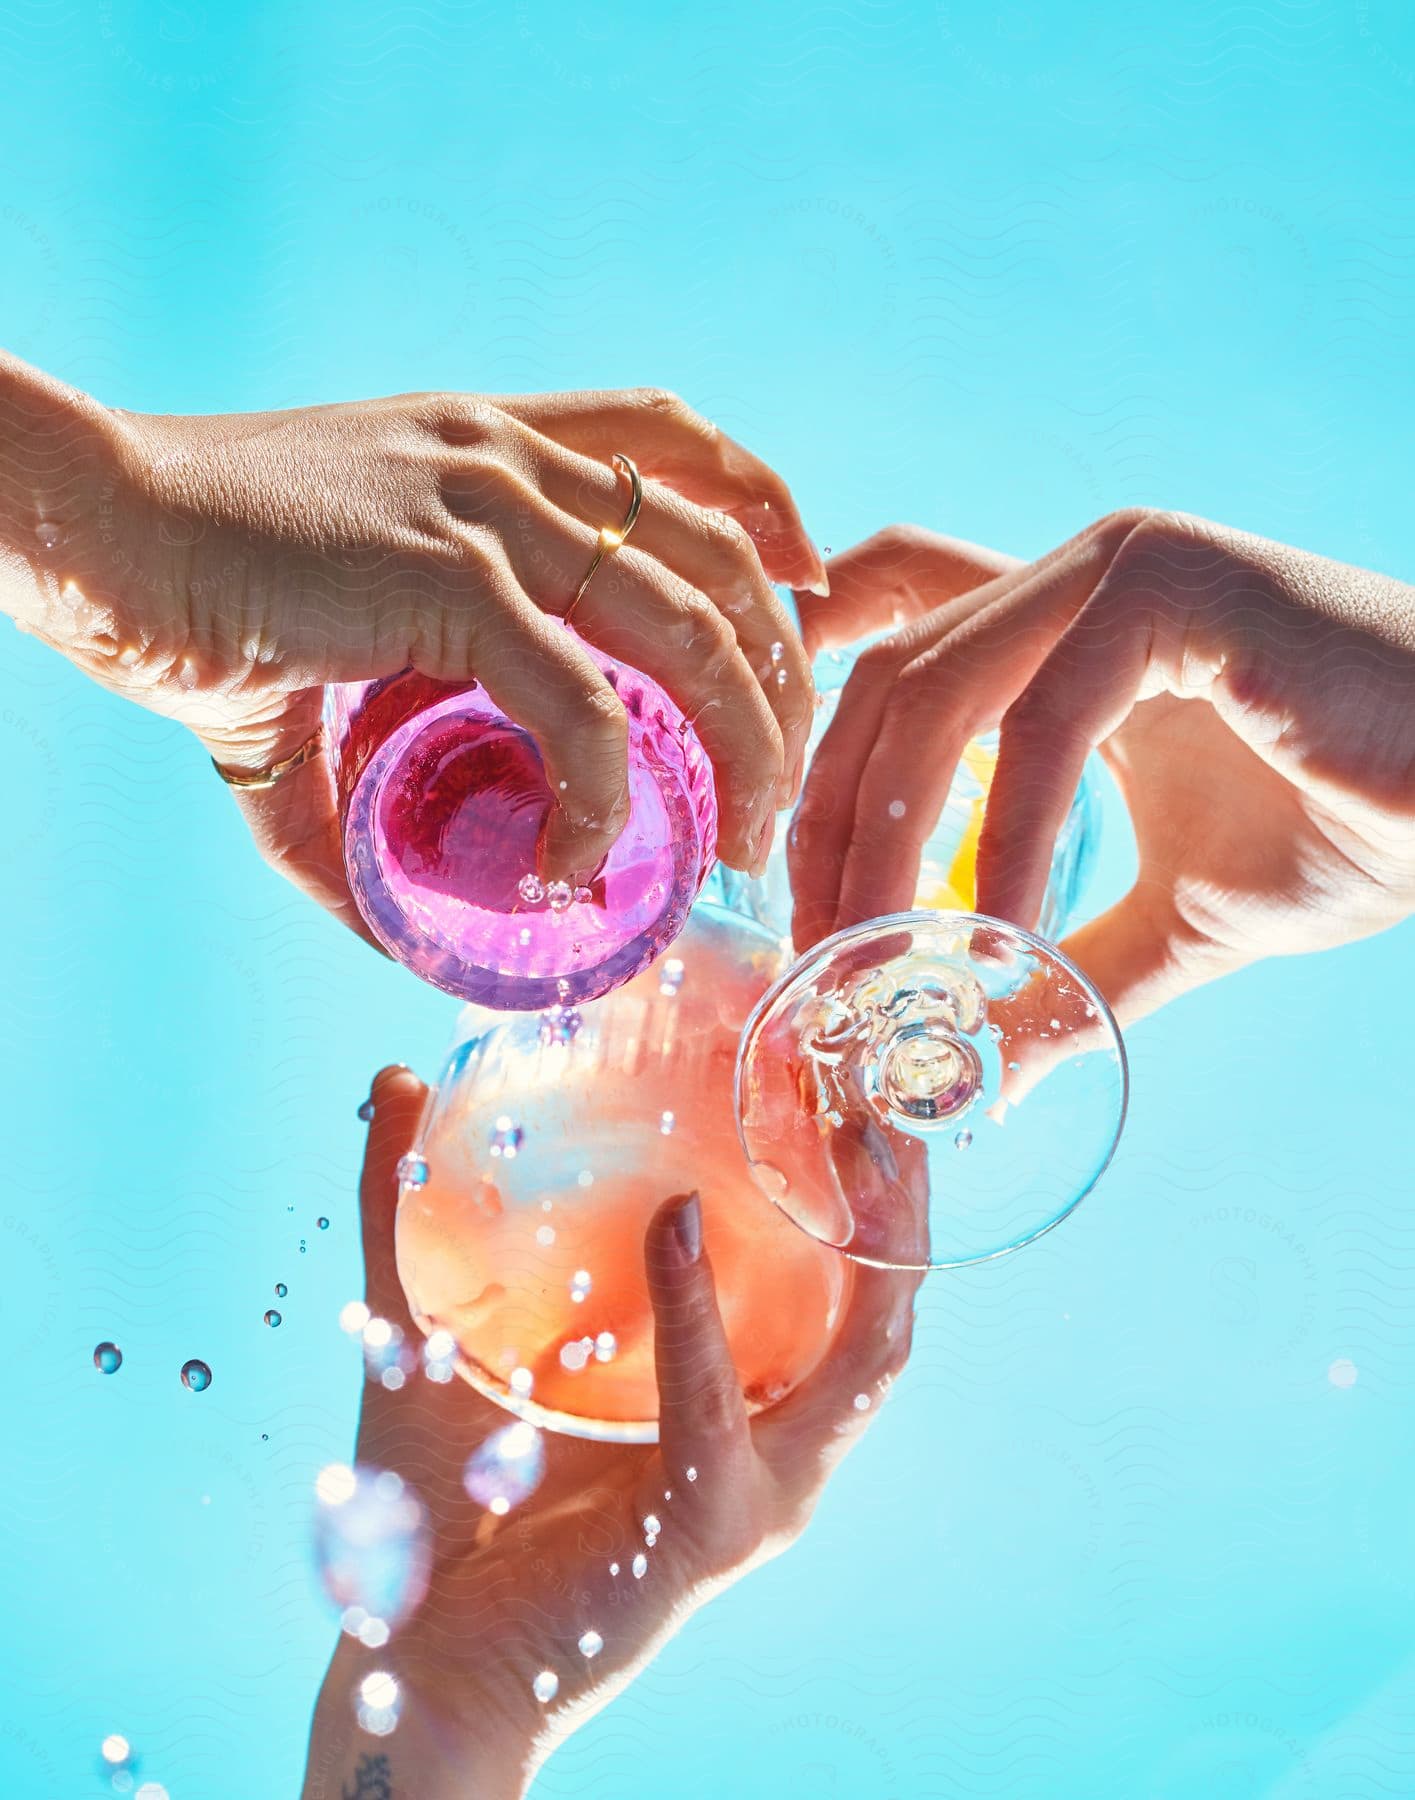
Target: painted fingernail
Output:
{"points": [[688, 1229]]}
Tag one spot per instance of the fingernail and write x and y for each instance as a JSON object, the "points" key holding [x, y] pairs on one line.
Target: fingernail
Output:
{"points": [[688, 1229], [820, 584]]}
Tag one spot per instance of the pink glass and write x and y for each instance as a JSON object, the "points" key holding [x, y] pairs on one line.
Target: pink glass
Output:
{"points": [[442, 802]]}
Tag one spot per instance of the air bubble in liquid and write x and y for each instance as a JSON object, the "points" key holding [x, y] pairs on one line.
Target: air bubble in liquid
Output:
{"points": [[323, 1224], [272, 1318], [196, 1375], [281, 1290], [107, 1359], [560, 895], [531, 889]]}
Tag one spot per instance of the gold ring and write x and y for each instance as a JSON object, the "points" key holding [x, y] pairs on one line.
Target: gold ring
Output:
{"points": [[609, 538], [254, 781]]}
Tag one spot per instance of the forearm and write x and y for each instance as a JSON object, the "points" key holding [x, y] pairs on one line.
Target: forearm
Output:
{"points": [[427, 1757], [57, 461]]}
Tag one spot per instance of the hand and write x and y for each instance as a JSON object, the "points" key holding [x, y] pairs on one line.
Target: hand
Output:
{"points": [[511, 1596], [1256, 705], [221, 570]]}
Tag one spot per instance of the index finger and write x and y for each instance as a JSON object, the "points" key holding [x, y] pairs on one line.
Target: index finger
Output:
{"points": [[677, 446]]}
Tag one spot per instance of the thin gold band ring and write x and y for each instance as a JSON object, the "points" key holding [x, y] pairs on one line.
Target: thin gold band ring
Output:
{"points": [[254, 781], [610, 538]]}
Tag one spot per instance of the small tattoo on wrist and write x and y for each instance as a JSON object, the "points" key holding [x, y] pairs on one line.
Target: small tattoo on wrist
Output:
{"points": [[373, 1780]]}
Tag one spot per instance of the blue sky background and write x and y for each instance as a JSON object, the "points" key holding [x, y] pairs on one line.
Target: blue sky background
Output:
{"points": [[997, 269]]}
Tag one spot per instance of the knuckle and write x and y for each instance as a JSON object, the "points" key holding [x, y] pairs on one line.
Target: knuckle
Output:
{"points": [[467, 420], [599, 713], [662, 402]]}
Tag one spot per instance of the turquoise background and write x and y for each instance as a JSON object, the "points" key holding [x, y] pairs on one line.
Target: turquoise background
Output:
{"points": [[996, 269]]}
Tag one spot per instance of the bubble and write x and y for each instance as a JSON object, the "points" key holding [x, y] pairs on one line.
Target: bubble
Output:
{"points": [[385, 1351], [670, 977], [524, 936], [1015, 1067], [379, 1702], [531, 889], [302, 1246], [962, 1140], [606, 1346], [196, 1375], [561, 1025], [107, 1358], [575, 1354], [897, 809], [666, 1123], [546, 1686], [521, 1383], [115, 1749], [862, 1403], [640, 1566], [392, 1378], [545, 1235], [591, 1643], [374, 1634], [614, 1568], [372, 1546], [777, 652], [560, 895], [1342, 1373], [691, 1473], [580, 1284], [48, 534], [995, 1033], [584, 1179], [507, 1137], [781, 678], [366, 1110], [353, 1316], [412, 1170], [323, 1224], [281, 1290], [272, 1318], [652, 1526]]}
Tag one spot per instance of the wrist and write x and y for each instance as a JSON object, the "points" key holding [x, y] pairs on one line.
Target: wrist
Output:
{"points": [[429, 1753], [61, 454]]}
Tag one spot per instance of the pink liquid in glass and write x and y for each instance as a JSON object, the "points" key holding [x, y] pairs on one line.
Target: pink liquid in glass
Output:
{"points": [[443, 800]]}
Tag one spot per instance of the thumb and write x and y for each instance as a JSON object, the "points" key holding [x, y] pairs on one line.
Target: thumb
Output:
{"points": [[1141, 955], [891, 578]]}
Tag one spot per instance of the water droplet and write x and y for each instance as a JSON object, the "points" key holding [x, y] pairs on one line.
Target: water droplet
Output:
{"points": [[412, 1170], [574, 1355], [777, 652], [962, 1140], [115, 1749], [1055, 1024], [652, 1526], [560, 895], [1015, 1067], [862, 1403], [521, 1383], [323, 1224], [605, 1346], [691, 1473], [523, 936], [546, 1686], [640, 1566], [196, 1376], [384, 1350], [281, 1290], [545, 1235], [531, 888], [107, 1359], [506, 1468], [353, 1316], [366, 1110], [48, 534], [580, 1284], [302, 1246], [560, 1025], [614, 1568], [585, 1179], [826, 551], [372, 1545], [897, 809], [670, 976], [379, 1702], [507, 1137], [265, 1437], [781, 678], [1342, 1373], [666, 1123], [272, 1318], [591, 1643], [995, 1033]]}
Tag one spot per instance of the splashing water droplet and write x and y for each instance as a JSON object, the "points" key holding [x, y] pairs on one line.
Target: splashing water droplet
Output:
{"points": [[666, 1123], [580, 1284], [281, 1290], [962, 1140], [670, 976], [614, 1568], [379, 1701], [366, 1110], [1015, 1067], [862, 1403], [412, 1170], [272, 1318], [506, 1468], [545, 1236], [781, 678], [584, 1179], [524, 936], [546, 1686], [531, 889], [591, 1643], [302, 1246], [652, 1526], [897, 809], [574, 1355], [353, 1316], [640, 1566], [372, 1545], [115, 1749], [323, 1224], [560, 895], [196, 1376], [521, 1383], [48, 534], [777, 652], [107, 1359], [691, 1473], [507, 1137], [995, 1033]]}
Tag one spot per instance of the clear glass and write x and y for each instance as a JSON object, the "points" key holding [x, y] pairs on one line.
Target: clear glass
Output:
{"points": [[442, 803], [930, 1090]]}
